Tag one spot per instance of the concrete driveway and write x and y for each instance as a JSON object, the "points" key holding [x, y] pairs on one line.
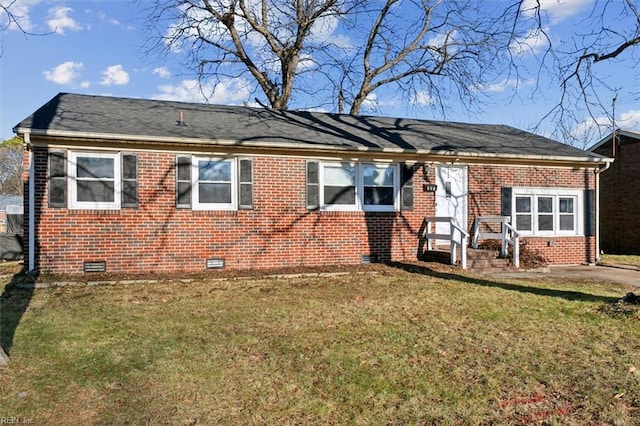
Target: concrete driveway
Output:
{"points": [[616, 274]]}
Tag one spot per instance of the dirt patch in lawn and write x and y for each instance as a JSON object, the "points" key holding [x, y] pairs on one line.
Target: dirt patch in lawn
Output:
{"points": [[20, 277]]}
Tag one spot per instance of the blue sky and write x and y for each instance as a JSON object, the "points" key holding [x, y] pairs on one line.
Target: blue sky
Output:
{"points": [[97, 47]]}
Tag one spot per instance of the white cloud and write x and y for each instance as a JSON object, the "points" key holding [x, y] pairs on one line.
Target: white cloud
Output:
{"points": [[115, 75], [20, 11], [324, 31], [225, 92], [590, 128], [533, 42], [629, 120], [503, 85], [306, 62], [85, 84], [64, 73], [422, 98], [103, 17], [370, 101], [59, 20], [162, 72], [554, 10]]}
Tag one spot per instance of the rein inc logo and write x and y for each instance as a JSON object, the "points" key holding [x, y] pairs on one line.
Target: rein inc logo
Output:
{"points": [[15, 420]]}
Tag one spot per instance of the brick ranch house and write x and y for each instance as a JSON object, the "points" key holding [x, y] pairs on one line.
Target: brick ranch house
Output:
{"points": [[620, 186], [132, 185]]}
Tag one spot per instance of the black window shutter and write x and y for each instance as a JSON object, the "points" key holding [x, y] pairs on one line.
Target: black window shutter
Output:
{"points": [[313, 185], [57, 179], [506, 202], [406, 176], [245, 199], [183, 181], [589, 213], [129, 180]]}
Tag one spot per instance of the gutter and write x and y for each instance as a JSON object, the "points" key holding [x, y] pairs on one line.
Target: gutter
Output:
{"points": [[32, 205], [302, 146], [597, 189]]}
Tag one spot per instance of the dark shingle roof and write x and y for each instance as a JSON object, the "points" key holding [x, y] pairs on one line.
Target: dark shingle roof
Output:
{"points": [[111, 117]]}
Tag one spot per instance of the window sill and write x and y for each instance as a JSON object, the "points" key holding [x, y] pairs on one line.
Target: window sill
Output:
{"points": [[94, 212], [357, 213]]}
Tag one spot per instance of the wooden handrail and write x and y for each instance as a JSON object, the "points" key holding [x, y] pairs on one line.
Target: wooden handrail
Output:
{"points": [[451, 237], [514, 240], [508, 235]]}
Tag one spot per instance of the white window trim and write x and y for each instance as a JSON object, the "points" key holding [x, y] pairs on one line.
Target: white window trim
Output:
{"points": [[359, 187], [73, 189], [556, 193], [338, 207], [195, 193]]}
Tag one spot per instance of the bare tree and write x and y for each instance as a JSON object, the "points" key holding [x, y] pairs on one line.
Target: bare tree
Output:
{"points": [[337, 53], [340, 54], [608, 33], [11, 166], [10, 18]]}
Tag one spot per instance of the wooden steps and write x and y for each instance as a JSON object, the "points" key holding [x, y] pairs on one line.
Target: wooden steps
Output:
{"points": [[483, 261]]}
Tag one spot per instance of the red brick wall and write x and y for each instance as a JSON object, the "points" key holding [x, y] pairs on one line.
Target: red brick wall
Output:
{"points": [[279, 231], [620, 199], [485, 183]]}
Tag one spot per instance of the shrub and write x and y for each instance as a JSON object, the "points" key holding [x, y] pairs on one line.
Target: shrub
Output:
{"points": [[529, 257]]}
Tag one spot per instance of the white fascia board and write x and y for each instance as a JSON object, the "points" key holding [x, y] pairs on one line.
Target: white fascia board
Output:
{"points": [[292, 145]]}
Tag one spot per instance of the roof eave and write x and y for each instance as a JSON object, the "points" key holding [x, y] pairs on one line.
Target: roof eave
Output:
{"points": [[448, 154], [606, 139]]}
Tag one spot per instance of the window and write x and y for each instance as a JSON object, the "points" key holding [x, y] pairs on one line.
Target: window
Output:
{"points": [[339, 185], [213, 183], [94, 180], [369, 187], [524, 214], [379, 186], [546, 211], [567, 214]]}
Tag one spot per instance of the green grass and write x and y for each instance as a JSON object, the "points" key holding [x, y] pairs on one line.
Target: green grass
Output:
{"points": [[616, 259], [400, 346]]}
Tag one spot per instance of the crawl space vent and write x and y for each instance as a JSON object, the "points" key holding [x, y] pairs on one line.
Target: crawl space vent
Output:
{"points": [[214, 263], [100, 266], [369, 258]]}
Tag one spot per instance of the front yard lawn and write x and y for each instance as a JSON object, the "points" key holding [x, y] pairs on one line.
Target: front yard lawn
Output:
{"points": [[618, 259], [403, 345]]}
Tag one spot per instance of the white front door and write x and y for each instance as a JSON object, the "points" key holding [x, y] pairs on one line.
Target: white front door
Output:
{"points": [[451, 196]]}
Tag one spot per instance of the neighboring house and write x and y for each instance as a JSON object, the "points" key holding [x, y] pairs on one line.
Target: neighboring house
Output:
{"points": [[132, 185], [11, 227], [620, 193], [10, 201]]}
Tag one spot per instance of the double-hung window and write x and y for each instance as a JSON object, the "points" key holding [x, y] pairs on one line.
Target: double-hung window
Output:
{"points": [[213, 181], [546, 211], [94, 180], [379, 186], [359, 186], [339, 186]]}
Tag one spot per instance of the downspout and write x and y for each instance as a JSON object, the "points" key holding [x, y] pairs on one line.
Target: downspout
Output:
{"points": [[32, 204], [597, 188]]}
